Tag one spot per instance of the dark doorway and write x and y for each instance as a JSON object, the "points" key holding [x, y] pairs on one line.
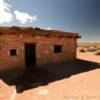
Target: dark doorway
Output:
{"points": [[30, 55]]}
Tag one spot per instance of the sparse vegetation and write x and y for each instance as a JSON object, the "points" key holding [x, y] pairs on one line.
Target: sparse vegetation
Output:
{"points": [[91, 49], [82, 50], [97, 52]]}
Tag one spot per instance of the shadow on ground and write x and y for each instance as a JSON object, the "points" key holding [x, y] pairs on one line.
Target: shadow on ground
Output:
{"points": [[25, 79]]}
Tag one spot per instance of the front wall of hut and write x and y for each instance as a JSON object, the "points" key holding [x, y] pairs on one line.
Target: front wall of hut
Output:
{"points": [[12, 50]]}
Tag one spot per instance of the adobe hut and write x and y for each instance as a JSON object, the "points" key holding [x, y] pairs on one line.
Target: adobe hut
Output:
{"points": [[27, 47]]}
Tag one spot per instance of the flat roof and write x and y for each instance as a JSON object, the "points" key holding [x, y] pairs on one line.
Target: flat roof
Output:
{"points": [[37, 32]]}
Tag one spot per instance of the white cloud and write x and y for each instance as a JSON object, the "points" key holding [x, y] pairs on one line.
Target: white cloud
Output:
{"points": [[6, 16], [5, 12], [24, 17], [48, 28]]}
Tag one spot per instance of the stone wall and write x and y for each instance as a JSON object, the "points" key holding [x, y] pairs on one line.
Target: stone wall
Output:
{"points": [[44, 50]]}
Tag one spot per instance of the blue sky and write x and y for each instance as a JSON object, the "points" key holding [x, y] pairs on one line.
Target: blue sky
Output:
{"points": [[81, 16]]}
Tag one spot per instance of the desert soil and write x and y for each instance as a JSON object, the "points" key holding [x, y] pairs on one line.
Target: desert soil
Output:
{"points": [[80, 86]]}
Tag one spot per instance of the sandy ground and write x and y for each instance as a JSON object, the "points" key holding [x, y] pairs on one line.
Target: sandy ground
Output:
{"points": [[89, 56], [85, 85]]}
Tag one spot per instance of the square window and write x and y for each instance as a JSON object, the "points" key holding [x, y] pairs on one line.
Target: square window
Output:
{"points": [[57, 49], [13, 52]]}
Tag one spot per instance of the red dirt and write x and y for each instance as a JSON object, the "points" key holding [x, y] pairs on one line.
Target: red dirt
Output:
{"points": [[80, 81]]}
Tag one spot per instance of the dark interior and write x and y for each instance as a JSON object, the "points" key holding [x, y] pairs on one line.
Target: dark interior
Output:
{"points": [[57, 48], [30, 55]]}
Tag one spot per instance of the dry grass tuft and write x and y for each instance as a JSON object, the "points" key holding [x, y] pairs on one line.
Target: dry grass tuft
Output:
{"points": [[91, 49], [97, 52], [82, 50]]}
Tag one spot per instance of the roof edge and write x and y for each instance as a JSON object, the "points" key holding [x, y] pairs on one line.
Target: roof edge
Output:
{"points": [[58, 33]]}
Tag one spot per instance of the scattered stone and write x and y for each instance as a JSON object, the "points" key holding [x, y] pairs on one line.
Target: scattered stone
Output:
{"points": [[43, 91]]}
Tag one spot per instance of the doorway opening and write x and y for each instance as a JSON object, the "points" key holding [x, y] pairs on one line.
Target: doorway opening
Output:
{"points": [[30, 55]]}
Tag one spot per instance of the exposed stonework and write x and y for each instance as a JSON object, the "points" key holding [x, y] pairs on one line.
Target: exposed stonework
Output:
{"points": [[45, 40]]}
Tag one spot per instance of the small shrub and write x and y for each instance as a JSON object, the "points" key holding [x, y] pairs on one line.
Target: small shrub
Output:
{"points": [[97, 52], [82, 50], [98, 48], [91, 49]]}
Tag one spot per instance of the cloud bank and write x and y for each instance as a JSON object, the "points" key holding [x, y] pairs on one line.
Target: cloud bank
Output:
{"points": [[5, 12], [6, 16], [24, 17]]}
